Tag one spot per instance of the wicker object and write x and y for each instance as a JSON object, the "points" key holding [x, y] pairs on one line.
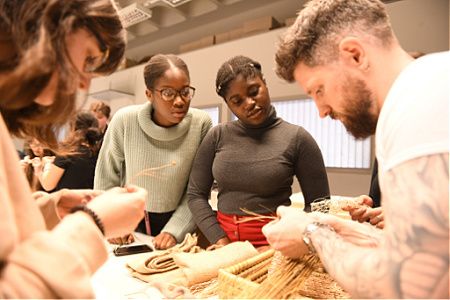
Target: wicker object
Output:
{"points": [[232, 281], [269, 275]]}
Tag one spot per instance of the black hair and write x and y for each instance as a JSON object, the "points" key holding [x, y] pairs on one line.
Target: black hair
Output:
{"points": [[158, 65], [232, 68]]}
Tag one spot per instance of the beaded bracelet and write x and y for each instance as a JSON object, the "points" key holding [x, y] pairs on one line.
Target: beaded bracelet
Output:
{"points": [[90, 212]]}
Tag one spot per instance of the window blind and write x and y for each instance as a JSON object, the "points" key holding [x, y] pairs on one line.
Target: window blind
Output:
{"points": [[339, 148], [213, 112]]}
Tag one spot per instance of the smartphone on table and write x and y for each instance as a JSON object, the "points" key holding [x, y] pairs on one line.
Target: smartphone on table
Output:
{"points": [[134, 249]]}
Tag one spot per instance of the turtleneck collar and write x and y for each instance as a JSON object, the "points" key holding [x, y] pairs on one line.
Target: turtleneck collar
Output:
{"points": [[271, 119], [162, 133]]}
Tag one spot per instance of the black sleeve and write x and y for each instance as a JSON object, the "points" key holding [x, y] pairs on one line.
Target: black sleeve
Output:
{"points": [[62, 162], [199, 188], [374, 190], [310, 169]]}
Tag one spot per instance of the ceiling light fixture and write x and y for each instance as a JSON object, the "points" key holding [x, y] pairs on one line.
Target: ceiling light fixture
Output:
{"points": [[133, 14], [175, 3]]}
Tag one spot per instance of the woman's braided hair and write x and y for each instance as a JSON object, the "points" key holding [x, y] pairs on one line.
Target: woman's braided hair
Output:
{"points": [[232, 68]]}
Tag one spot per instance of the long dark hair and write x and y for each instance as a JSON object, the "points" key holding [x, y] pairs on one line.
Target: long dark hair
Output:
{"points": [[84, 132], [36, 31]]}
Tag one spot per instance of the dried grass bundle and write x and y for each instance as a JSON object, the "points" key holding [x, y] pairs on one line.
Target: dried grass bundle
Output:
{"points": [[255, 216], [151, 171], [287, 280], [272, 276], [205, 289]]}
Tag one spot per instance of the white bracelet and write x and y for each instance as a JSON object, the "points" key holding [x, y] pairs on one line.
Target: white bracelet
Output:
{"points": [[46, 167], [309, 229]]}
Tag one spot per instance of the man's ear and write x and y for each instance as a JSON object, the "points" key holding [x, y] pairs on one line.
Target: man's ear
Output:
{"points": [[352, 53]]}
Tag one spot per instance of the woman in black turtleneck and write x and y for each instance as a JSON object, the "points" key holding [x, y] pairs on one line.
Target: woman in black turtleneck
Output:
{"points": [[252, 159]]}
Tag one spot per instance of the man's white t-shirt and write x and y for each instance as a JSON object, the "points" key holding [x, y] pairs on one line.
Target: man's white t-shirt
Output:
{"points": [[414, 119]]}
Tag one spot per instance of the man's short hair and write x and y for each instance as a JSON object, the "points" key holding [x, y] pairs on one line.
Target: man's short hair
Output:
{"points": [[314, 37]]}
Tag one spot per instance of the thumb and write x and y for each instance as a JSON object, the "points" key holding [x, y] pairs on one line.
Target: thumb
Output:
{"points": [[368, 201], [131, 188], [282, 210], [266, 229]]}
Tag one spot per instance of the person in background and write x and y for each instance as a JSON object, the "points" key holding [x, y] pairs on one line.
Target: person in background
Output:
{"points": [[252, 159], [345, 55], [102, 112], [75, 170], [369, 206], [48, 51], [35, 155], [153, 145]]}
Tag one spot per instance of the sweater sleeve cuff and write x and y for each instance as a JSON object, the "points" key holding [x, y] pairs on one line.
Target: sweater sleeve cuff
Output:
{"points": [[214, 233], [47, 205], [80, 232], [179, 229]]}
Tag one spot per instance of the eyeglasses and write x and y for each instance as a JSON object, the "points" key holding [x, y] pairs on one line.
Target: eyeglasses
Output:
{"points": [[169, 94], [93, 63]]}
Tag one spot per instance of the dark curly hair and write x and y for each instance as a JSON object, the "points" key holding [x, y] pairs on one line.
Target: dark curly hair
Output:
{"points": [[237, 65]]}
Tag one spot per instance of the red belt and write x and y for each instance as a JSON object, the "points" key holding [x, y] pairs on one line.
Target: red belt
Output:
{"points": [[249, 230]]}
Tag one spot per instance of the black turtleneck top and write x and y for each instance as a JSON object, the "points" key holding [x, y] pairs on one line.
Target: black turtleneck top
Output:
{"points": [[254, 169]]}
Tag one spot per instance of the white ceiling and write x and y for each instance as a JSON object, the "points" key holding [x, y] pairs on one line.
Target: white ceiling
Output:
{"points": [[169, 27]]}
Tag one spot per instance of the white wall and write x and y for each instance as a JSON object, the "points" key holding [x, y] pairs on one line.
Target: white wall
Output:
{"points": [[420, 25]]}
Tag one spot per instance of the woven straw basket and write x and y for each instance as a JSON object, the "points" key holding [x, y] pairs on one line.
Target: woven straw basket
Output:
{"points": [[232, 282], [242, 280]]}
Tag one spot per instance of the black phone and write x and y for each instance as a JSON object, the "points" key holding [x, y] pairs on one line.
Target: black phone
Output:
{"points": [[128, 250]]}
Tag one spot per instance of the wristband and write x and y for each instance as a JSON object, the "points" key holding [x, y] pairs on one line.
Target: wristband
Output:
{"points": [[90, 212], [309, 229]]}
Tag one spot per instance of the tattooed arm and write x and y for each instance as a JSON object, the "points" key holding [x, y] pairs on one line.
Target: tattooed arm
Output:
{"points": [[408, 259]]}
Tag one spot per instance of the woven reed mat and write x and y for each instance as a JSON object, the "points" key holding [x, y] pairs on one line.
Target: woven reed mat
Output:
{"points": [[295, 279]]}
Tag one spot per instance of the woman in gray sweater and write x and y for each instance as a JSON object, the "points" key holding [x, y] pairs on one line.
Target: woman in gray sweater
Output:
{"points": [[252, 159]]}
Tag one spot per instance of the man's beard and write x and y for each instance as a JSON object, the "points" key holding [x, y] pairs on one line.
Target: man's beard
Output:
{"points": [[358, 116]]}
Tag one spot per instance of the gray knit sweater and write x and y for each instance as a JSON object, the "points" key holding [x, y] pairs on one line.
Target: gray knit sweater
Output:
{"points": [[133, 143], [254, 169]]}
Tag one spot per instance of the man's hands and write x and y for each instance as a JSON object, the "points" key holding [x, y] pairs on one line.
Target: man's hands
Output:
{"points": [[286, 234], [366, 213]]}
